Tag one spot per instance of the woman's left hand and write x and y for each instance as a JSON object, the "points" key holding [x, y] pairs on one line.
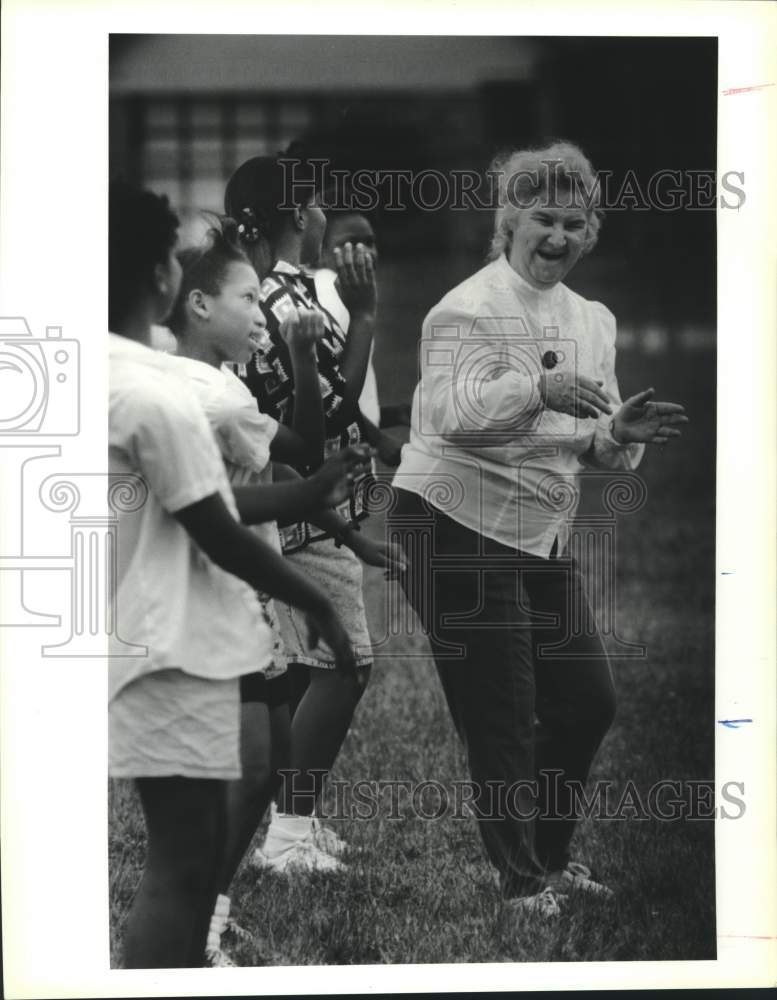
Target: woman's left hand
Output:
{"points": [[641, 419]]}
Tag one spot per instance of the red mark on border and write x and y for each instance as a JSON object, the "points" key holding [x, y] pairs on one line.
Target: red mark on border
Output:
{"points": [[750, 937], [746, 90]]}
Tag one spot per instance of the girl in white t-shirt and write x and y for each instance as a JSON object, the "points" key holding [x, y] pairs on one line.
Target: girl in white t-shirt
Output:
{"points": [[217, 319]]}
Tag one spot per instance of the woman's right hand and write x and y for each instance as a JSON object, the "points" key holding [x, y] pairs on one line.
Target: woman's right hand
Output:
{"points": [[577, 395], [301, 331], [324, 624], [334, 479]]}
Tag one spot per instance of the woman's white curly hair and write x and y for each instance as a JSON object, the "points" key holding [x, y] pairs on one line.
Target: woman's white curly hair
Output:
{"points": [[527, 177]]}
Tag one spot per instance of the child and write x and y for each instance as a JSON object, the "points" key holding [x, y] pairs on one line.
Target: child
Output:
{"points": [[343, 226], [275, 220], [174, 710], [217, 319]]}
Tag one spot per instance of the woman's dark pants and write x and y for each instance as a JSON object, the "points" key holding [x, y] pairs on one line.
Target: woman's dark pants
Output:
{"points": [[525, 712]]}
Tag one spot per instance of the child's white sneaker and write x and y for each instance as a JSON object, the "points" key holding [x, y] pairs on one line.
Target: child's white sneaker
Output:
{"points": [[577, 878], [300, 856], [218, 959], [215, 956], [299, 842]]}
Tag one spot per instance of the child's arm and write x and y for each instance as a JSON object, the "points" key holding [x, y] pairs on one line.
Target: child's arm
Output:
{"points": [[165, 434], [301, 332], [239, 551], [389, 451], [395, 415], [384, 554], [289, 448], [356, 287], [295, 498]]}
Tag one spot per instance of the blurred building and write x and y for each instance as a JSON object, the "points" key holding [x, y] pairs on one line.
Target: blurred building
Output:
{"points": [[185, 110]]}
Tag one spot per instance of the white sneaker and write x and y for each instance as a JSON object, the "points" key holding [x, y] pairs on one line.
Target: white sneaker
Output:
{"points": [[217, 958], [300, 855], [577, 878], [543, 904], [214, 956], [238, 933], [327, 840]]}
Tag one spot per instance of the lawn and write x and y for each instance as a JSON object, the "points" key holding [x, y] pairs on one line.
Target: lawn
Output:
{"points": [[422, 890]]}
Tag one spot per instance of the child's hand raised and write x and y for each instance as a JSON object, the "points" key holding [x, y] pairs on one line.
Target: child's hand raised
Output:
{"points": [[334, 480], [301, 331], [356, 278]]}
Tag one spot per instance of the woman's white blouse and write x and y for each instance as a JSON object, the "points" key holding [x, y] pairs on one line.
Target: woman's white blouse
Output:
{"points": [[483, 448]]}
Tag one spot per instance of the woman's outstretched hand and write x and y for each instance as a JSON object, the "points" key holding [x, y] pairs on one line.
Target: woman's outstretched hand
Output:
{"points": [[641, 419], [356, 278]]}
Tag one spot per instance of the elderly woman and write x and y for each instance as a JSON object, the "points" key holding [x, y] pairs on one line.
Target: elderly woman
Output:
{"points": [[517, 395]]}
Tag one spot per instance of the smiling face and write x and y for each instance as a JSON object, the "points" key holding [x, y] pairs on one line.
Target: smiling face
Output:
{"points": [[547, 242], [236, 321]]}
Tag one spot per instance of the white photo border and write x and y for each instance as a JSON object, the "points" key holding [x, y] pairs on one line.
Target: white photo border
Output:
{"points": [[54, 274]]}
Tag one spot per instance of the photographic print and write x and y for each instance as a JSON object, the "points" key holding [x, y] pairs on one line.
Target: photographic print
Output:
{"points": [[406, 145], [376, 513]]}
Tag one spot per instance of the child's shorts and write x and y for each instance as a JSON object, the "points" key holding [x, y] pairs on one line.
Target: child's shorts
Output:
{"points": [[339, 574], [277, 666], [172, 723], [272, 691]]}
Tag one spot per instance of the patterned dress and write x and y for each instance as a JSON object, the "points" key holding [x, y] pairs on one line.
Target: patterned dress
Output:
{"points": [[270, 378]]}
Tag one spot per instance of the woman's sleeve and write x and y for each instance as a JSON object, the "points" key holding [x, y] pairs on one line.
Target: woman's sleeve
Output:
{"points": [[471, 391], [605, 452]]}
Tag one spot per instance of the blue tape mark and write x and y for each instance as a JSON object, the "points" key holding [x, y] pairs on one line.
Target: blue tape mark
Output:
{"points": [[733, 723]]}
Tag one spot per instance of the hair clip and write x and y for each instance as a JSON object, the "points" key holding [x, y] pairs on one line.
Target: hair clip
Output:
{"points": [[247, 227]]}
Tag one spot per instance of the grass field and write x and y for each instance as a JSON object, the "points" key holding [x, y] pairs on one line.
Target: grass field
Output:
{"points": [[421, 891]]}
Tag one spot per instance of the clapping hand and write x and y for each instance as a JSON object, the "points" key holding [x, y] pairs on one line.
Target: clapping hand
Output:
{"points": [[301, 331], [641, 419], [356, 278]]}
